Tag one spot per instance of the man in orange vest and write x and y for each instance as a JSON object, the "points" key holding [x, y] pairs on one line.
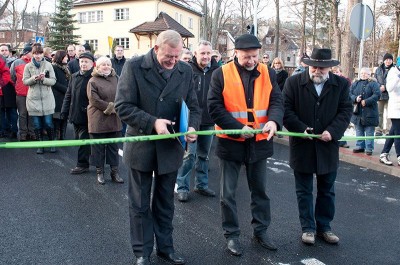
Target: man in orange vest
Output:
{"points": [[245, 95]]}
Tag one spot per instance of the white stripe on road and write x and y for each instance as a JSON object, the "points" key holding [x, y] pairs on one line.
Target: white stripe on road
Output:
{"points": [[120, 152], [312, 261]]}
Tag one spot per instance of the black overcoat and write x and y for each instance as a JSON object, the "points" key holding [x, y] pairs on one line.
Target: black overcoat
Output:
{"points": [[331, 111], [144, 96]]}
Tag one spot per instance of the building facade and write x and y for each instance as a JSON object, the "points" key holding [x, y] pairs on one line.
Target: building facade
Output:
{"points": [[99, 19]]}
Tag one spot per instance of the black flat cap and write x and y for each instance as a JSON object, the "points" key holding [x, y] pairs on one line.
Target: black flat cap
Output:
{"points": [[247, 42], [87, 55]]}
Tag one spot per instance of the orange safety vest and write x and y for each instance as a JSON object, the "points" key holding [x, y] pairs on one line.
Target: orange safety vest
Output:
{"points": [[235, 99]]}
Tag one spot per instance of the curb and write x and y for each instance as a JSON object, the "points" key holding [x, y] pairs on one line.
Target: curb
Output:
{"points": [[361, 160]]}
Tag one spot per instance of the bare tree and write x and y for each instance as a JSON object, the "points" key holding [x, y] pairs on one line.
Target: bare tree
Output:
{"points": [[336, 29], [349, 44], [4, 7], [215, 24]]}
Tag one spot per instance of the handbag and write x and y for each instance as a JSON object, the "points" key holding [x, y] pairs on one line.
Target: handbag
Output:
{"points": [[356, 108], [384, 96]]}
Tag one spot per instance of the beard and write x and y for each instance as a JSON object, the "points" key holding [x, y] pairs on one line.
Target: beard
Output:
{"points": [[318, 79]]}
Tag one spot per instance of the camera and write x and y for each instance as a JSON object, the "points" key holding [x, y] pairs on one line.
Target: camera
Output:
{"points": [[46, 73]]}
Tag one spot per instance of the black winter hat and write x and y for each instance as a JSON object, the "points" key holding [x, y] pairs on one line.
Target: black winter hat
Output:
{"points": [[247, 42], [387, 56], [27, 49], [87, 55]]}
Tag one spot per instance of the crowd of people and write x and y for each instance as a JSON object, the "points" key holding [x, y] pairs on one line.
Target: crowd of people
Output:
{"points": [[108, 97]]}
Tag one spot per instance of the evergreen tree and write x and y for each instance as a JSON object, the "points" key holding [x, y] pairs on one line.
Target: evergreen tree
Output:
{"points": [[62, 27]]}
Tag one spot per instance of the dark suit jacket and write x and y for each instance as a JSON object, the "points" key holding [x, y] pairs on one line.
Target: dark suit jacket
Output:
{"points": [[330, 111], [144, 96]]}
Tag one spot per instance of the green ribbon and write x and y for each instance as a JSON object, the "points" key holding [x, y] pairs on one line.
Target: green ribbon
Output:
{"points": [[66, 143]]}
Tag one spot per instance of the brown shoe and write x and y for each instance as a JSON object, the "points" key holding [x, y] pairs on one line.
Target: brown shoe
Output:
{"points": [[79, 170], [329, 237]]}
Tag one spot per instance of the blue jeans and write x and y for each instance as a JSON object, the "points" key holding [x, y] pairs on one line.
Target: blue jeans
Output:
{"points": [[324, 205], [361, 130], [196, 156], [43, 122]]}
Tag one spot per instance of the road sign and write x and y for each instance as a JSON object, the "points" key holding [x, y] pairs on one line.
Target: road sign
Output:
{"points": [[361, 21], [39, 39]]}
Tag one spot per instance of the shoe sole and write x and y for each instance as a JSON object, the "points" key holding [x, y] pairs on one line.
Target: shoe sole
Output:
{"points": [[234, 253], [386, 163], [80, 172], [265, 246]]}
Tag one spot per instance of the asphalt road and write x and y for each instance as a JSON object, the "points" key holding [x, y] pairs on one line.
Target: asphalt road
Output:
{"points": [[48, 216]]}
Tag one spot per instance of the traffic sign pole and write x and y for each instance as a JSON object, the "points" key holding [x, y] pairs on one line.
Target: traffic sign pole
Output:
{"points": [[363, 17]]}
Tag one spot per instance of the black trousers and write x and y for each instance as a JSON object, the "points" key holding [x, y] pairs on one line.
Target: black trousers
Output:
{"points": [[104, 153], [81, 132], [260, 205], [151, 217]]}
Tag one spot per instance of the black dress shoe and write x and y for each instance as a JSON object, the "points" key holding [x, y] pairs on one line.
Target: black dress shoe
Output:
{"points": [[183, 196], [205, 192], [171, 258], [142, 261], [358, 150], [265, 241], [79, 170], [233, 246]]}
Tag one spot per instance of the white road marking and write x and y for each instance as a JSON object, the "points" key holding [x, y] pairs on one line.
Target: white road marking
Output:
{"points": [[276, 170], [121, 152], [312, 261]]}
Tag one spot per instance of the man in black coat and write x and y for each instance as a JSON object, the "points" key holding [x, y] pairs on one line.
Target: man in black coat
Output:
{"points": [[196, 156], [317, 102], [244, 95], [149, 98], [118, 60], [74, 108], [73, 65]]}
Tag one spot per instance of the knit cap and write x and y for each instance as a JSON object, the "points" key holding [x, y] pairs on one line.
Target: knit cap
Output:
{"points": [[387, 56]]}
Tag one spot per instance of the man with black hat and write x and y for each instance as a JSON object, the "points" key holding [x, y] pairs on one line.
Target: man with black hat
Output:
{"points": [[244, 95], [380, 74], [74, 108], [316, 102]]}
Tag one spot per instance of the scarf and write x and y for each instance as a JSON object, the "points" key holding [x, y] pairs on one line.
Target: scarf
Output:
{"points": [[277, 71], [65, 69], [35, 63], [165, 73]]}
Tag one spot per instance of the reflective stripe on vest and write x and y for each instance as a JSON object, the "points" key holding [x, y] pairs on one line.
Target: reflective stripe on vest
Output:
{"points": [[235, 99]]}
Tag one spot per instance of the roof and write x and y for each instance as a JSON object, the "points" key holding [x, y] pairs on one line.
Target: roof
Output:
{"points": [[163, 22], [172, 2]]}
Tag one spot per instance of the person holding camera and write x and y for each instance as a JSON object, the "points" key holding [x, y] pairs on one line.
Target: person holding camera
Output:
{"points": [[39, 76], [365, 94]]}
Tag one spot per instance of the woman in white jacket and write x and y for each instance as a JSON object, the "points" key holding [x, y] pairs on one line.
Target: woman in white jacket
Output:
{"points": [[39, 76], [393, 88]]}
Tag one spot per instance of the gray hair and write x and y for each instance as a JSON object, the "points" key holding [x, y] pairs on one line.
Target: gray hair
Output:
{"points": [[366, 70], [170, 37], [204, 42]]}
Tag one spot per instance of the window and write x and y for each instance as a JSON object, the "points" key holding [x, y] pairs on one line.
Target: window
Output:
{"points": [[90, 16], [2, 35], [190, 23], [93, 43], [180, 18], [122, 14], [176, 16], [124, 42]]}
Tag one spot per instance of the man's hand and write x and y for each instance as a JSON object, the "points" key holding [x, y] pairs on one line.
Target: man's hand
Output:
{"points": [[161, 126], [382, 88], [190, 138], [270, 128], [326, 136], [363, 103], [247, 135]]}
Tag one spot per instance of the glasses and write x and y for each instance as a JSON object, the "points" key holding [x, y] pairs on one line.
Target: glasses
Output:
{"points": [[277, 63], [266, 57]]}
